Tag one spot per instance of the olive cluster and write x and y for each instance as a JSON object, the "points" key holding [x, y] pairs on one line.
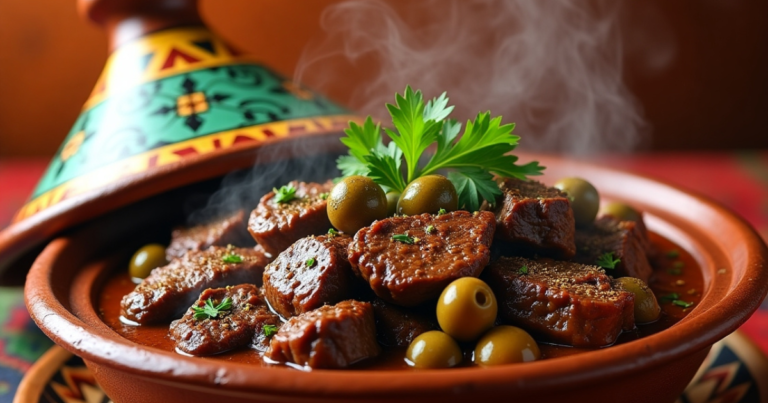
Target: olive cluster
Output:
{"points": [[466, 311]]}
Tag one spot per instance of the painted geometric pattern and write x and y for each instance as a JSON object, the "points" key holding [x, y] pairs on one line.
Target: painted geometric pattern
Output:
{"points": [[168, 88], [73, 383], [726, 380]]}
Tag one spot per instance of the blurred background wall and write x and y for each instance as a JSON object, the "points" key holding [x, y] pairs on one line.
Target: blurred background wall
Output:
{"points": [[711, 94]]}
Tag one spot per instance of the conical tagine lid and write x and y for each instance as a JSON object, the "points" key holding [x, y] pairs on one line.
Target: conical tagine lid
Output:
{"points": [[175, 104]]}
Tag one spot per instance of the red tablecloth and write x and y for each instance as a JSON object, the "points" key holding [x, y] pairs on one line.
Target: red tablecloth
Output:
{"points": [[738, 180]]}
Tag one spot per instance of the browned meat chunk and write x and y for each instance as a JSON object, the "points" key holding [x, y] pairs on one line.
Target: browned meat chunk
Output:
{"points": [[171, 289], [534, 217], [561, 302], [228, 230], [241, 324], [642, 231], [409, 260], [332, 336], [397, 327], [276, 226], [626, 240], [313, 272]]}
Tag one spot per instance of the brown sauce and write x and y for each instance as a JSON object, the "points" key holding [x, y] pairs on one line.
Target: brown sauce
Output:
{"points": [[680, 275]]}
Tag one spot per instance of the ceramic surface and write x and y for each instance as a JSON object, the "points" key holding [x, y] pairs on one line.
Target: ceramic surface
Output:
{"points": [[734, 371], [63, 280]]}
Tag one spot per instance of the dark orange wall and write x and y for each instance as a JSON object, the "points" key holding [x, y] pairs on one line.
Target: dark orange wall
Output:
{"points": [[715, 94]]}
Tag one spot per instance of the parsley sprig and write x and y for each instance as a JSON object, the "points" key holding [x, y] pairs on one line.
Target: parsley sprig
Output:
{"points": [[208, 310], [404, 238], [232, 258], [284, 194], [472, 158], [607, 261], [269, 330]]}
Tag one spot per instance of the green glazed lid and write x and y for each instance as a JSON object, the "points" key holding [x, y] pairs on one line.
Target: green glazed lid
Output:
{"points": [[176, 99]]}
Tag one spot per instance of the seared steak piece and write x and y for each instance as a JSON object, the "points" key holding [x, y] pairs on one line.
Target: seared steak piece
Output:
{"points": [[397, 327], [232, 328], [561, 302], [531, 216], [332, 336], [313, 272], [171, 289], [409, 260], [650, 250], [625, 239], [276, 226], [222, 232]]}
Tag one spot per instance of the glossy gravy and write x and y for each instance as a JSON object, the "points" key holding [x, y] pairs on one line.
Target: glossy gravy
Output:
{"points": [[680, 275]]}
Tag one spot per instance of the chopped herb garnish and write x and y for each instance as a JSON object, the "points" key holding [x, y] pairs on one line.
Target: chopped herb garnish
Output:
{"points": [[669, 297], [673, 254], [208, 310], [523, 270], [472, 158], [607, 261], [232, 258], [678, 265], [332, 232], [682, 303], [441, 211], [310, 262], [430, 229], [324, 196], [675, 272], [269, 330], [284, 194], [403, 238]]}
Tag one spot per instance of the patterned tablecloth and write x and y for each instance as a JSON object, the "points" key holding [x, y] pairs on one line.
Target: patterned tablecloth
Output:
{"points": [[738, 180]]}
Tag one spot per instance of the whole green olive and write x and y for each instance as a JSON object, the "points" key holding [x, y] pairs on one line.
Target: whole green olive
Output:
{"points": [[585, 201], [146, 259], [620, 211], [506, 345], [356, 202], [433, 349], [428, 194], [466, 308], [392, 198], [647, 309]]}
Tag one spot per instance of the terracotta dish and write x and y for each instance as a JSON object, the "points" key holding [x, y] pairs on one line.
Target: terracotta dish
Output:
{"points": [[65, 280]]}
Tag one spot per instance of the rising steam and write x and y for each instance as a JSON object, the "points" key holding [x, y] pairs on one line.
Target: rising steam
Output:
{"points": [[554, 67]]}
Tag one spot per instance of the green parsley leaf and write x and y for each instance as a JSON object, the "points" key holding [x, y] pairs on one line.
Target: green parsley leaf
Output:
{"points": [[208, 310], [441, 211], [332, 231], [284, 194], [430, 229], [607, 261], [403, 238], [675, 272], [669, 297], [269, 330], [473, 185], [232, 258], [523, 270], [310, 262], [673, 254], [470, 159], [324, 196], [682, 303], [678, 265]]}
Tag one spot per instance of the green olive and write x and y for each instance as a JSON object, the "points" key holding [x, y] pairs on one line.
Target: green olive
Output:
{"points": [[620, 211], [147, 258], [585, 201], [433, 349], [428, 194], [506, 345], [392, 198], [646, 307], [356, 202], [466, 308]]}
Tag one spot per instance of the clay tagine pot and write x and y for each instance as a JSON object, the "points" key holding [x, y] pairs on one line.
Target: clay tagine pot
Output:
{"points": [[64, 286], [172, 99]]}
